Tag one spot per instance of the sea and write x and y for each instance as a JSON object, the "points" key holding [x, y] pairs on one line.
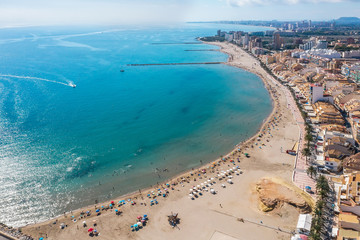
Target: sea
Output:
{"points": [[78, 125]]}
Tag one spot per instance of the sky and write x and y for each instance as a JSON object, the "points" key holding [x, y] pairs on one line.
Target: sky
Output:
{"points": [[102, 12]]}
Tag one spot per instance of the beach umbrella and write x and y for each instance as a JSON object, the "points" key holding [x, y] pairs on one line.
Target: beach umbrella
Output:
{"points": [[41, 238], [116, 210], [95, 230], [90, 229], [198, 186], [135, 225], [145, 216], [139, 224], [112, 202], [97, 210], [142, 221], [139, 217], [102, 206], [110, 205]]}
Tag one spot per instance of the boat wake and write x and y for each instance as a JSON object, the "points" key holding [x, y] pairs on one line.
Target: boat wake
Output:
{"points": [[70, 84]]}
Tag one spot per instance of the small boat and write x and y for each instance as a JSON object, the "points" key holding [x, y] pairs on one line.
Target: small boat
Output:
{"points": [[291, 152], [122, 70], [72, 85]]}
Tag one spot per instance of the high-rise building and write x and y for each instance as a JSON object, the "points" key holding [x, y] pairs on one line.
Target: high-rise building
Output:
{"points": [[245, 40], [219, 32], [277, 40]]}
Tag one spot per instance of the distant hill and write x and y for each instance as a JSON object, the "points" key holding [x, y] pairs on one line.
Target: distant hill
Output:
{"points": [[347, 20]]}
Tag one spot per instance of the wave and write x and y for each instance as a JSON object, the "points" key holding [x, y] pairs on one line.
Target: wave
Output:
{"points": [[35, 37], [69, 84]]}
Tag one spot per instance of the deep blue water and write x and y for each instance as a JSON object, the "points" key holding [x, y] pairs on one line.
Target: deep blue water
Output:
{"points": [[57, 143]]}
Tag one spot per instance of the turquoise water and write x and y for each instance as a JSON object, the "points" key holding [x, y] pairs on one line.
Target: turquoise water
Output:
{"points": [[62, 147]]}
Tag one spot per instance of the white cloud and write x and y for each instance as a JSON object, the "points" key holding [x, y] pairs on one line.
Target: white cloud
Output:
{"points": [[238, 3]]}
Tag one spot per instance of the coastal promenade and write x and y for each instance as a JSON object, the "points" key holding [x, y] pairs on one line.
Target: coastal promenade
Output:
{"points": [[299, 176]]}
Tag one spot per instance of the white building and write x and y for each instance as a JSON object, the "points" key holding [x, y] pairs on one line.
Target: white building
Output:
{"points": [[304, 223], [307, 46], [317, 94], [324, 53], [321, 44]]}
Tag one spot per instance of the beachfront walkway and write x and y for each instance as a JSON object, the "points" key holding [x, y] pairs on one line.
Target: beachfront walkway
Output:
{"points": [[300, 177]]}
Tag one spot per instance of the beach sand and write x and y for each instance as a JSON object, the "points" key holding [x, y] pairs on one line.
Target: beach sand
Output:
{"points": [[209, 216]]}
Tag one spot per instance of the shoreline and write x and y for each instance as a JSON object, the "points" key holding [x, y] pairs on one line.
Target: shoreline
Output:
{"points": [[204, 165], [185, 177]]}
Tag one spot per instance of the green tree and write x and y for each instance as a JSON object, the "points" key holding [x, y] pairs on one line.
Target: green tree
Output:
{"points": [[311, 171], [307, 153], [308, 137], [322, 186]]}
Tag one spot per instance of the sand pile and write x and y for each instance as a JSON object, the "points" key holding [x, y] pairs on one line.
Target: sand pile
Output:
{"points": [[273, 194]]}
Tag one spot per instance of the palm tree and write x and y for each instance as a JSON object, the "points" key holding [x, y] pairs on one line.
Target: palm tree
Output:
{"points": [[322, 186], [307, 153], [308, 137], [311, 171]]}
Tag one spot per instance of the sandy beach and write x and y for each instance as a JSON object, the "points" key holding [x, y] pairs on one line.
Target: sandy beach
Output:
{"points": [[209, 216]]}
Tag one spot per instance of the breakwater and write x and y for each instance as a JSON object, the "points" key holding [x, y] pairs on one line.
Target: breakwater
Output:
{"points": [[162, 64]]}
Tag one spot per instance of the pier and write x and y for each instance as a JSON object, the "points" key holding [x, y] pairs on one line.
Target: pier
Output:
{"points": [[162, 64]]}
